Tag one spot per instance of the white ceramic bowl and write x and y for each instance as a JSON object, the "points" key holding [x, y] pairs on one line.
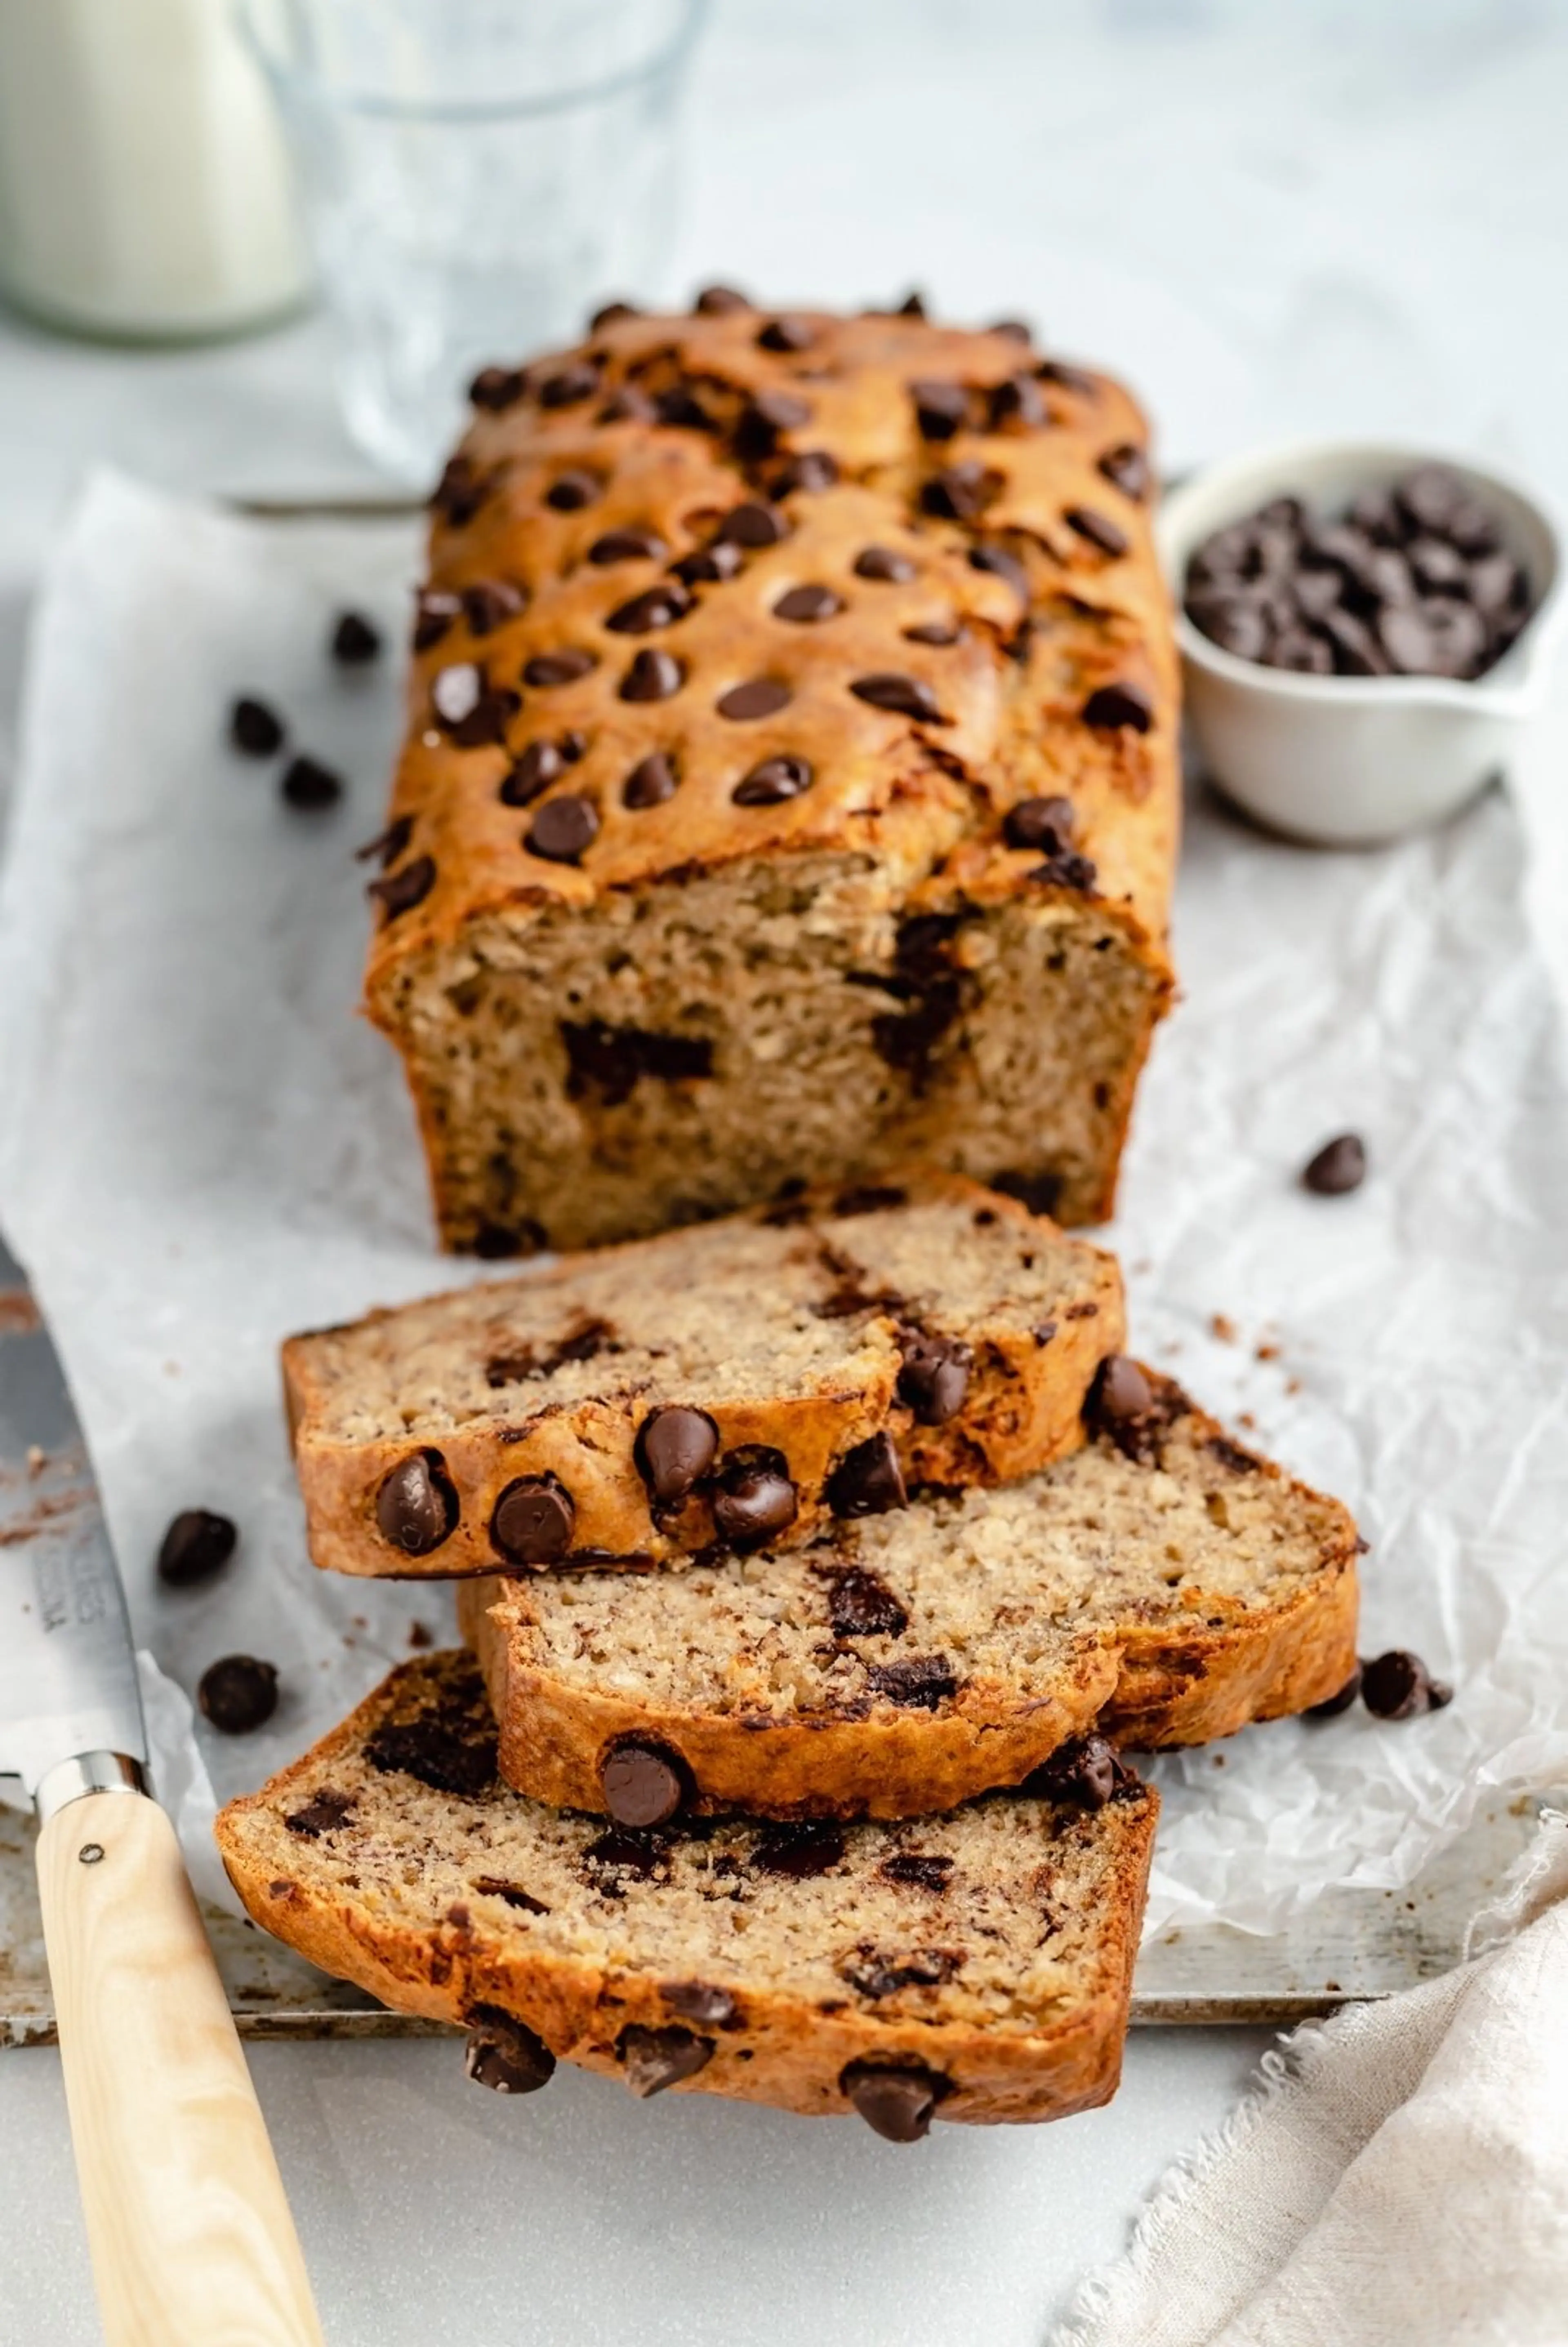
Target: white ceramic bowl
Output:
{"points": [[1350, 760]]}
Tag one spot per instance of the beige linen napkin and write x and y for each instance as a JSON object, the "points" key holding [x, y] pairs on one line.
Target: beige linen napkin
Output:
{"points": [[1399, 2179]]}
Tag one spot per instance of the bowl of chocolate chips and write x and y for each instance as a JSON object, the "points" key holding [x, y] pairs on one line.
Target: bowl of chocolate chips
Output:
{"points": [[1363, 631]]}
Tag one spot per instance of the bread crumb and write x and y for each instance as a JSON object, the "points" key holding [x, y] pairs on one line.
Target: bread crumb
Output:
{"points": [[37, 1460], [420, 1634], [1221, 1328], [1265, 1352], [1244, 1418]]}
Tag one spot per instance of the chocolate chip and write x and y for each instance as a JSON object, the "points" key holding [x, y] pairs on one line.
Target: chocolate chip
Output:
{"points": [[766, 414], [578, 382], [459, 493], [504, 2054], [434, 611], [868, 1480], [629, 405], [881, 562], [491, 1886], [399, 892], [924, 1683], [571, 491], [533, 1520], [656, 607], [861, 1604], [1111, 705], [808, 604], [773, 782], [238, 1694], [1003, 564], [1127, 468], [628, 546], [799, 1851], [643, 1784], [913, 305], [1338, 1166], [787, 334], [1089, 1772], [198, 1544], [720, 301], [309, 786], [652, 676], [1096, 528], [711, 564], [1119, 1395], [906, 696], [656, 2058], [562, 829], [703, 2001], [754, 1498], [752, 524], [811, 470], [416, 1506], [1340, 1700], [1398, 1685], [627, 1850], [961, 493], [354, 640], [940, 408], [1016, 401], [1070, 378], [680, 408], [540, 764], [489, 603], [935, 1376], [1040, 1193], [933, 631], [1065, 869], [495, 388], [1298, 650], [546, 669], [914, 1871], [254, 728], [611, 313], [760, 696], [650, 781], [324, 1813], [870, 1198], [676, 1445], [1235, 624], [1043, 825], [895, 2103], [611, 1061]]}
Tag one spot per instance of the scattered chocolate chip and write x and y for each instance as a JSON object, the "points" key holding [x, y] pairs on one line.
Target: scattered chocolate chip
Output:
{"points": [[1398, 1685], [680, 408], [771, 782], [760, 696], [799, 1851], [1111, 705], [656, 607], [416, 1506], [904, 696], [861, 1604], [703, 2001], [754, 1498], [610, 1060], [434, 610], [324, 1812], [628, 546], [571, 491], [310, 787], [198, 1544], [562, 829], [578, 382], [914, 1871], [923, 1683], [1003, 564], [459, 493], [1019, 400], [710, 565], [656, 2058], [652, 676], [650, 781], [881, 562], [811, 470], [766, 414], [533, 1522], [940, 633], [1089, 1772], [895, 2103], [611, 314], [1042, 825], [1127, 468], [675, 1447], [540, 764], [354, 640], [399, 892], [787, 334], [1070, 378], [504, 2054], [1340, 1700], [548, 668], [1096, 528], [238, 1694], [495, 388], [961, 493], [489, 603], [1338, 1166], [254, 728], [940, 408], [868, 1480], [643, 1785], [935, 1376], [1065, 869], [808, 604], [718, 300], [752, 524]]}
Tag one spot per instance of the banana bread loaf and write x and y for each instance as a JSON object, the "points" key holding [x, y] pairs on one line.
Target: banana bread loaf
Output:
{"points": [[790, 787], [974, 1968], [1161, 1582], [746, 1379]]}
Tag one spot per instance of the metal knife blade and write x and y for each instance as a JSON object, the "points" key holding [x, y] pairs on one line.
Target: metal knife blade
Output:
{"points": [[67, 1668]]}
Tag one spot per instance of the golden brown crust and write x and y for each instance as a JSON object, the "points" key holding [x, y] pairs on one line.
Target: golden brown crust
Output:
{"points": [[1022, 1408]]}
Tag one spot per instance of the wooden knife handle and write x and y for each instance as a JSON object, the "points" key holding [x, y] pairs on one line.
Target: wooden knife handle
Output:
{"points": [[192, 2242]]}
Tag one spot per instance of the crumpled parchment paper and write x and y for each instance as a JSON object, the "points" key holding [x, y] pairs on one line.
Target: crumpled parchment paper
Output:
{"points": [[202, 1148]]}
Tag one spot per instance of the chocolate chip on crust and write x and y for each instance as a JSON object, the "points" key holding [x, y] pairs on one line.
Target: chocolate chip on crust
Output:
{"points": [[533, 1520], [563, 829], [675, 1447], [399, 892], [696, 2000], [656, 2058], [416, 1507], [935, 1376], [547, 670], [503, 2053], [654, 675], [1111, 706], [1097, 530], [773, 782], [628, 546], [754, 1498], [1088, 1770], [643, 1784], [883, 564], [1044, 826], [650, 781], [904, 696], [868, 1480], [897, 2103]]}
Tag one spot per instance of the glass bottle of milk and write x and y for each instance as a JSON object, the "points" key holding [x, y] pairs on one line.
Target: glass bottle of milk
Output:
{"points": [[145, 192]]}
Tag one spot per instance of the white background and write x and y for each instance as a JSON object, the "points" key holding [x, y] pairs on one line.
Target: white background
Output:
{"points": [[1305, 216]]}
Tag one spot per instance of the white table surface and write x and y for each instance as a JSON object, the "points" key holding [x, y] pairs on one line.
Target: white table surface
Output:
{"points": [[1308, 219]]}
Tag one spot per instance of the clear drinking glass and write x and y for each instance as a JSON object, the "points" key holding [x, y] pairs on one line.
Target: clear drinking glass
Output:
{"points": [[476, 174]]}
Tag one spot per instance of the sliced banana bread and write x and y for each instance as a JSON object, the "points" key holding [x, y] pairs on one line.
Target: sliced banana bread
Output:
{"points": [[746, 1380], [976, 1967], [1160, 1581]]}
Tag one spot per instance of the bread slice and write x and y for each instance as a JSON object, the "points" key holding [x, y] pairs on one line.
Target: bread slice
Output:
{"points": [[748, 1379], [1160, 1581], [977, 1966]]}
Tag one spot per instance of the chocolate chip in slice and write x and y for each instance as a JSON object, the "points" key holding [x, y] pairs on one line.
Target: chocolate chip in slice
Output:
{"points": [[654, 675], [310, 787], [1043, 825], [628, 546], [759, 696], [1340, 1700], [1112, 705], [916, 1870], [703, 2001], [1089, 1772], [416, 1506], [1398, 1685], [238, 1694], [904, 696], [533, 1522], [799, 1851], [650, 781], [940, 408], [643, 1784], [1097, 530], [885, 564], [504, 2054], [562, 829], [861, 1606], [1126, 467], [571, 490], [355, 640], [1340, 1165], [922, 1683], [895, 2102], [1121, 1393], [806, 605], [787, 334], [752, 524], [324, 1812], [399, 892], [255, 728], [198, 1544], [548, 668], [675, 1447], [868, 1480], [656, 2058], [754, 1499], [540, 764], [773, 782], [935, 1376]]}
